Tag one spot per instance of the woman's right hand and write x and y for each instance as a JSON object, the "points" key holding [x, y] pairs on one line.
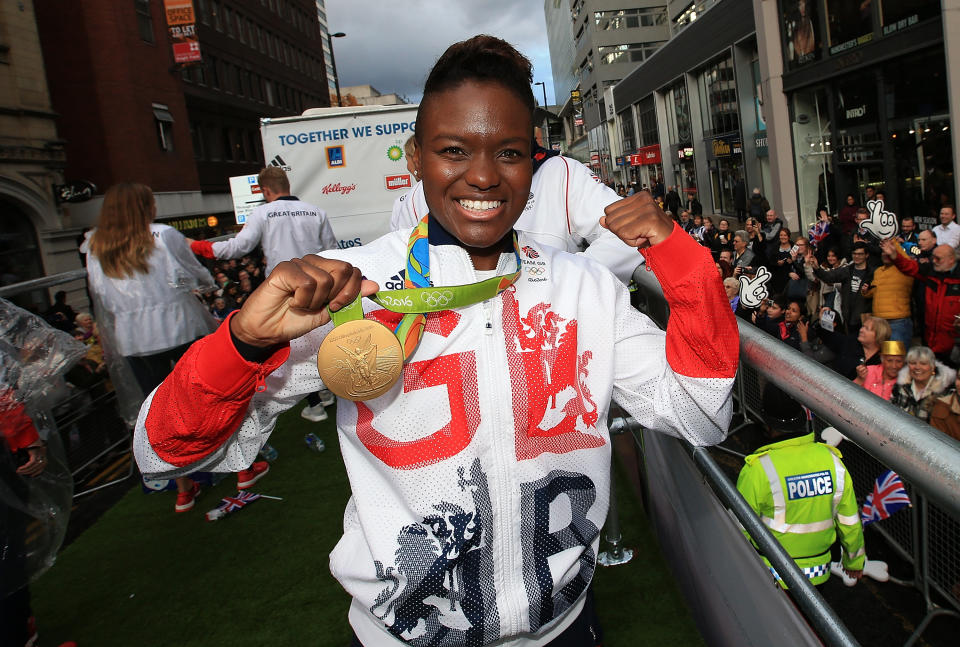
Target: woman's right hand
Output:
{"points": [[861, 372], [294, 299]]}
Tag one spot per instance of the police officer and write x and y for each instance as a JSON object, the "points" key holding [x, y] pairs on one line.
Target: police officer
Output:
{"points": [[803, 494]]}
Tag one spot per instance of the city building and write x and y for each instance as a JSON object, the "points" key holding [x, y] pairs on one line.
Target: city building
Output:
{"points": [[592, 47], [34, 237], [691, 106], [175, 101], [327, 52], [800, 100], [367, 95]]}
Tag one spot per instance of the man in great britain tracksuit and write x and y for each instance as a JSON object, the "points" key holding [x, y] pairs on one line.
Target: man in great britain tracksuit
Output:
{"points": [[803, 494], [476, 444], [285, 226]]}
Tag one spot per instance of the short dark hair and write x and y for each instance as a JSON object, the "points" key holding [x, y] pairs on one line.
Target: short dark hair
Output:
{"points": [[949, 206], [481, 58], [861, 247]]}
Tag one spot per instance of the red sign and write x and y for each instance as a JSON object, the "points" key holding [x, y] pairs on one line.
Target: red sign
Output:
{"points": [[649, 154], [182, 26], [395, 182]]}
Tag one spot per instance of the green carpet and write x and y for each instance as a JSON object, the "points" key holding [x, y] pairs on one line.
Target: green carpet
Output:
{"points": [[143, 576]]}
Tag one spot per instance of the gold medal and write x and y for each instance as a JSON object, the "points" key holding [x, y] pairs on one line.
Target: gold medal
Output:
{"points": [[360, 360]]}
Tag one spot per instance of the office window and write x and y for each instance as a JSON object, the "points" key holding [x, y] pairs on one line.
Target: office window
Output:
{"points": [[214, 72], [217, 17], [196, 136], [630, 18], [144, 20], [629, 53], [164, 122]]}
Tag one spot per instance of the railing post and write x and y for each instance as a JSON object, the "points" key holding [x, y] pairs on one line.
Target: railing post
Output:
{"points": [[617, 554]]}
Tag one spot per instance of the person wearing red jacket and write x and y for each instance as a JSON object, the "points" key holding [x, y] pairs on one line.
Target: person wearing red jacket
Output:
{"points": [[20, 442], [941, 279]]}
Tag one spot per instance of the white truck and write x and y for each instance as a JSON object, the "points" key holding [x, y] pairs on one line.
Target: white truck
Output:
{"points": [[349, 161]]}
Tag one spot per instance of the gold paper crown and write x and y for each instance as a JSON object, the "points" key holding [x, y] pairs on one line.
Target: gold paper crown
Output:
{"points": [[893, 348]]}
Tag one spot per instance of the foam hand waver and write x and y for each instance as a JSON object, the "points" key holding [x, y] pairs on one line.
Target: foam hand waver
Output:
{"points": [[754, 291], [881, 223]]}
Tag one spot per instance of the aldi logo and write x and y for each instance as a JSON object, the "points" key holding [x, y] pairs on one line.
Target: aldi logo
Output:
{"points": [[395, 182], [335, 157]]}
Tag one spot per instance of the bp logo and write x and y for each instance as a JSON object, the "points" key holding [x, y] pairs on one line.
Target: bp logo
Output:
{"points": [[395, 153]]}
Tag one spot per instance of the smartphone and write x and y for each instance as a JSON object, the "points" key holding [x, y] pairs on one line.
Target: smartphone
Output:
{"points": [[795, 249]]}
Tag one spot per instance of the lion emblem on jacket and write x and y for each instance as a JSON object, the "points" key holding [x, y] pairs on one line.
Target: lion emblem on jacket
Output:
{"points": [[434, 595]]}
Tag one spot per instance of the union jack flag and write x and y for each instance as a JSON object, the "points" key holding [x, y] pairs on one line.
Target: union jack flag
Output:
{"points": [[232, 503], [887, 497]]}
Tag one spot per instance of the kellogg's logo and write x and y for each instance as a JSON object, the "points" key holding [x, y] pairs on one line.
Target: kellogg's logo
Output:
{"points": [[530, 252], [336, 187], [395, 182]]}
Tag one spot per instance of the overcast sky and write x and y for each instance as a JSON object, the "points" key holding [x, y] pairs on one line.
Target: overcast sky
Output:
{"points": [[392, 45]]}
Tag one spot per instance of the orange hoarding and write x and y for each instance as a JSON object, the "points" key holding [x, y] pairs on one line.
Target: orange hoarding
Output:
{"points": [[181, 23]]}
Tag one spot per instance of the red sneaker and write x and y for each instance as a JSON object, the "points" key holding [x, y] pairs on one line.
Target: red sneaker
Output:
{"points": [[248, 477], [185, 500]]}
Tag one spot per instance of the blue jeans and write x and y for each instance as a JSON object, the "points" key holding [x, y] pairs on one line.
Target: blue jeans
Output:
{"points": [[901, 330]]}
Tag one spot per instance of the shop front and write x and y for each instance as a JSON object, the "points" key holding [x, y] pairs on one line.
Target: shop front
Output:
{"points": [[725, 164], [870, 109], [684, 171]]}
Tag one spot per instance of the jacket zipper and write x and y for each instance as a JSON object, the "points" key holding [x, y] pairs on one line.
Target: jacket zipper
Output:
{"points": [[503, 455]]}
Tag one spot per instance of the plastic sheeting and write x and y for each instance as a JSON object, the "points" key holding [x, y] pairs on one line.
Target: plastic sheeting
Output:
{"points": [[33, 510]]}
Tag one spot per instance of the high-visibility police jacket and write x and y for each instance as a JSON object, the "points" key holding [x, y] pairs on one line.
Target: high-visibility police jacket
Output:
{"points": [[804, 495]]}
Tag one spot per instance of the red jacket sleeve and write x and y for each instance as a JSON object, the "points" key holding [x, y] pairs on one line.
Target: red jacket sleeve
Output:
{"points": [[206, 397], [17, 427], [907, 265], [202, 248], [702, 336]]}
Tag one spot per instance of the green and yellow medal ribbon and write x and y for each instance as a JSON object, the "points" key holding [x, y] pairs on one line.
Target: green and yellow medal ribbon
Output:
{"points": [[418, 297]]}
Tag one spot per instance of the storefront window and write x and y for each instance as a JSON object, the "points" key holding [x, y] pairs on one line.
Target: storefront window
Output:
{"points": [[901, 14], [814, 153], [801, 32], [718, 97], [680, 113], [919, 131], [849, 24], [647, 116], [626, 131]]}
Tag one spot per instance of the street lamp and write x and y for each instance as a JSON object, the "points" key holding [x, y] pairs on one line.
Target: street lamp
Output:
{"points": [[333, 63], [546, 123]]}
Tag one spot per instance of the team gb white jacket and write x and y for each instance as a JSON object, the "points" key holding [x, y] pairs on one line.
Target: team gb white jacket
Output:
{"points": [[563, 210], [286, 228], [481, 480], [152, 312]]}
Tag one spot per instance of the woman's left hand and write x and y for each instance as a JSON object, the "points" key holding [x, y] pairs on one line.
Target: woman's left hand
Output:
{"points": [[637, 220]]}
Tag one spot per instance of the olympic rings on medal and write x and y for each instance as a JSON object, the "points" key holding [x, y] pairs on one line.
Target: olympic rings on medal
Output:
{"points": [[437, 299]]}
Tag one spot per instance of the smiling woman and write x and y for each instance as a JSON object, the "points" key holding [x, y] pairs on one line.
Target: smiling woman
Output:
{"points": [[473, 145], [480, 463]]}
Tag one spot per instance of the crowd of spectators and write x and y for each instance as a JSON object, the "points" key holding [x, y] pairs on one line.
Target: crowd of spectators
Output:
{"points": [[236, 280], [883, 313]]}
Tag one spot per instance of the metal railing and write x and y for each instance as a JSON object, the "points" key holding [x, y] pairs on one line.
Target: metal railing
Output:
{"points": [[880, 436]]}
